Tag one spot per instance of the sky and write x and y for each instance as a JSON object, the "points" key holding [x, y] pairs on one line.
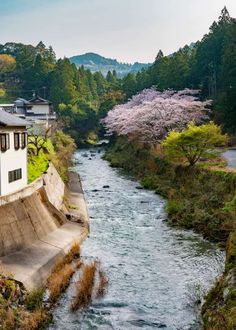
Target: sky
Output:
{"points": [[128, 30]]}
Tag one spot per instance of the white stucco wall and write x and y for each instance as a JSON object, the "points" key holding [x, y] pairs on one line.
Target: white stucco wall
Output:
{"points": [[11, 160], [41, 109]]}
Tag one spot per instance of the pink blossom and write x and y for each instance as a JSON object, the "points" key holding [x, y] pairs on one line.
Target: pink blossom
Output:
{"points": [[151, 114]]}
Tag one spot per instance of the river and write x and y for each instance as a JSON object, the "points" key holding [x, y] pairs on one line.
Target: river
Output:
{"points": [[230, 157], [156, 273]]}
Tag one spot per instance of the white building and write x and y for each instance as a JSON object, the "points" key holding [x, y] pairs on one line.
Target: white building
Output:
{"points": [[40, 106], [13, 153], [36, 108], [38, 112]]}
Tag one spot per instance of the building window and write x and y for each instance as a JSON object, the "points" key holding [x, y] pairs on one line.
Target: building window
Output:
{"points": [[17, 140], [15, 175], [23, 140], [4, 142]]}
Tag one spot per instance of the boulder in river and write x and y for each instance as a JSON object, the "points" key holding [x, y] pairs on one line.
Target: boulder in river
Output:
{"points": [[139, 187]]}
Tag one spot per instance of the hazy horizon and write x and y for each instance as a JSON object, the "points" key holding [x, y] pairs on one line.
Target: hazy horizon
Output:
{"points": [[129, 31]]}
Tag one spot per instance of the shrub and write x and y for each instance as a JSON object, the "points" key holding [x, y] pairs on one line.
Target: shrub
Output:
{"points": [[34, 299], [36, 320], [102, 284], [194, 142], [64, 147], [74, 253], [62, 273], [230, 206], [58, 282], [38, 164], [84, 290], [149, 181], [8, 319], [173, 207]]}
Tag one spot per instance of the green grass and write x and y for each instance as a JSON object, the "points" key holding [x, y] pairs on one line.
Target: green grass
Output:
{"points": [[34, 299], [37, 165]]}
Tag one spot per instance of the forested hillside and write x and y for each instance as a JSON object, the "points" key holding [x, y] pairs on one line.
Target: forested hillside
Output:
{"points": [[208, 65], [95, 62], [81, 98]]}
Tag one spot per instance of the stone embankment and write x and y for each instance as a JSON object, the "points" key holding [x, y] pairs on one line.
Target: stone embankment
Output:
{"points": [[40, 223]]}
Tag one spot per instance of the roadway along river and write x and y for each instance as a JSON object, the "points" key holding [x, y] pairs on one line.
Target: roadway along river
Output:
{"points": [[156, 273], [230, 157]]}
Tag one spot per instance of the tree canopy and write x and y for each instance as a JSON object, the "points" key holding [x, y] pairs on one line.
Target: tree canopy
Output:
{"points": [[207, 65], [151, 114], [194, 142], [79, 97]]}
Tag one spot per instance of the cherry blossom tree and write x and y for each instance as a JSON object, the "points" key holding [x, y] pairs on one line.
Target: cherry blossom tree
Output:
{"points": [[151, 114]]}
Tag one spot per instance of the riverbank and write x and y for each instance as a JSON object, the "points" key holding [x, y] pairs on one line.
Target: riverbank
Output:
{"points": [[35, 230], [198, 199], [157, 274], [55, 222]]}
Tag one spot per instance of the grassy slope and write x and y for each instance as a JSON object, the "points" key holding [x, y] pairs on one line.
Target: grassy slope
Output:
{"points": [[198, 199], [37, 165]]}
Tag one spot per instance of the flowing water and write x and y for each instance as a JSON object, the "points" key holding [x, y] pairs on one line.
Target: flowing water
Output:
{"points": [[157, 274], [230, 157]]}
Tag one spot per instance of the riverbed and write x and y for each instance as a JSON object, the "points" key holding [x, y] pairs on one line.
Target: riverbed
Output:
{"points": [[157, 275]]}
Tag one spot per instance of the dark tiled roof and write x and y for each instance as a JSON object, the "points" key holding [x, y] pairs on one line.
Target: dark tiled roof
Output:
{"points": [[39, 100], [7, 119], [22, 100]]}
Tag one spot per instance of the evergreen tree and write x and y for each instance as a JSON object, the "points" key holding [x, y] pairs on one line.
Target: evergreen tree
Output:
{"points": [[62, 86], [129, 85], [101, 83]]}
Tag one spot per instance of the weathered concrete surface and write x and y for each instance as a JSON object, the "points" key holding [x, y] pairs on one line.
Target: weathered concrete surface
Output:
{"points": [[32, 265], [34, 232], [54, 187], [76, 198], [24, 221], [52, 183], [22, 193], [31, 213]]}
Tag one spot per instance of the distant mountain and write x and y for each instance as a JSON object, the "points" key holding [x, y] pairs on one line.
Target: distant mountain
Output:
{"points": [[96, 62]]}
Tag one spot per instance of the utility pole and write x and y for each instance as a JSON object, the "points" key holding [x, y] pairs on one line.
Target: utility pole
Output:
{"points": [[44, 92]]}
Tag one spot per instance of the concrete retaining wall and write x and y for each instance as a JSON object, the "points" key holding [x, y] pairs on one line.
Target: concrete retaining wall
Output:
{"points": [[24, 221], [54, 187], [25, 192], [52, 183], [31, 213], [34, 231]]}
